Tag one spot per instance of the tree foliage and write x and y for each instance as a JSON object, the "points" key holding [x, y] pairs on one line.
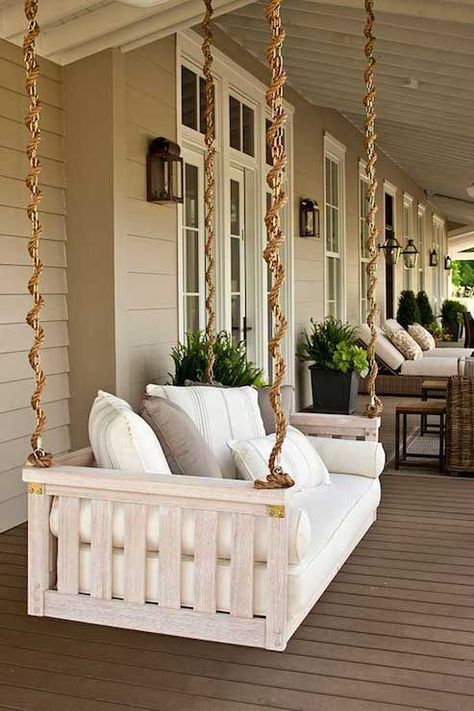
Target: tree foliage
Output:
{"points": [[408, 311]]}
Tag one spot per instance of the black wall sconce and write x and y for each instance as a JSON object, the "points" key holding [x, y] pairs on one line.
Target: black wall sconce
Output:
{"points": [[309, 218], [433, 258], [164, 169], [391, 248], [410, 255], [448, 263]]}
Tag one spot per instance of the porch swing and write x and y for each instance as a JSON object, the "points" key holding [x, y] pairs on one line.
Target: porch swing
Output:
{"points": [[217, 559]]}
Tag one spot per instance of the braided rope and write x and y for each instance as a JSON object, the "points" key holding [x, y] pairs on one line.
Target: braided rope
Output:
{"points": [[38, 456], [374, 406], [277, 479], [209, 172]]}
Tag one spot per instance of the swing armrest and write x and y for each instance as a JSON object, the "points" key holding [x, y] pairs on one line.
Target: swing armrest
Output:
{"points": [[342, 426]]}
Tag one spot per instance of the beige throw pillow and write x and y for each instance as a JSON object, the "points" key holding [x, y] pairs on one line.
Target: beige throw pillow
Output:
{"points": [[405, 344], [423, 337], [184, 447]]}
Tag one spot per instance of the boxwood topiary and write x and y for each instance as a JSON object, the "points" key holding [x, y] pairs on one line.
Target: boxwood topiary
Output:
{"points": [[408, 311]]}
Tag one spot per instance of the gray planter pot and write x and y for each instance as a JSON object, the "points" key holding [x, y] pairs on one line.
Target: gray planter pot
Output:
{"points": [[334, 392]]}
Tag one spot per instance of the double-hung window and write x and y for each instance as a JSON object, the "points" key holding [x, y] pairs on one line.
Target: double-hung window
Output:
{"points": [[421, 220], [410, 280], [334, 203]]}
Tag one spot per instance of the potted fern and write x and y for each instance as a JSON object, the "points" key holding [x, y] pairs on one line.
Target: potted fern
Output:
{"points": [[231, 367], [337, 365]]}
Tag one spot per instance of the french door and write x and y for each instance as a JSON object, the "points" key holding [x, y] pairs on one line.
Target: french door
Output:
{"points": [[240, 326]]}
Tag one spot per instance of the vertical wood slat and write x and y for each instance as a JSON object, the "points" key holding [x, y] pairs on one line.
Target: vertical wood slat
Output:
{"points": [[39, 544], [68, 545], [170, 557], [242, 565], [205, 561], [134, 564], [277, 583], [101, 549]]}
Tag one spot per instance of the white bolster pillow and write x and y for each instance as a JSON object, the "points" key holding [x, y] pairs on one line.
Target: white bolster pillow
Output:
{"points": [[299, 533], [351, 456]]}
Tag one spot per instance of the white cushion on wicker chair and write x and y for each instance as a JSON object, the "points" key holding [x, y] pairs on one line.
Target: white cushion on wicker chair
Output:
{"points": [[385, 350], [121, 439], [220, 414], [450, 352], [437, 367]]}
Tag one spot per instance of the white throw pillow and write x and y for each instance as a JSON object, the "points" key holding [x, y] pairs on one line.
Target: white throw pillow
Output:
{"points": [[121, 439], [423, 337], [299, 459], [392, 324], [220, 414]]}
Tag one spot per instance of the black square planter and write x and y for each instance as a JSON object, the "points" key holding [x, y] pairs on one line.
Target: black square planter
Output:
{"points": [[334, 392]]}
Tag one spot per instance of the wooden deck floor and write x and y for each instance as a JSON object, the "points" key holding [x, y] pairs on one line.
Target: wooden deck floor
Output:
{"points": [[394, 631]]}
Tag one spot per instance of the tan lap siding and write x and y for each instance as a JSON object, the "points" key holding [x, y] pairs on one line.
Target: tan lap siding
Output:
{"points": [[150, 254], [16, 419]]}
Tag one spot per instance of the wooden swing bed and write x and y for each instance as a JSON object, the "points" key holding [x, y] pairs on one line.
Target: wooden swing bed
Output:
{"points": [[53, 560]]}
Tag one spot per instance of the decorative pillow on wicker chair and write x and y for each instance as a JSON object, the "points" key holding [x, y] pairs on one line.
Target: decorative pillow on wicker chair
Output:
{"points": [[405, 344], [423, 337], [185, 448], [299, 459], [121, 439]]}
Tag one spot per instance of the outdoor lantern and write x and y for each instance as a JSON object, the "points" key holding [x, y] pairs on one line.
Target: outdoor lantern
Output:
{"points": [[391, 248], [164, 172], [433, 258], [309, 218], [448, 263], [410, 255]]}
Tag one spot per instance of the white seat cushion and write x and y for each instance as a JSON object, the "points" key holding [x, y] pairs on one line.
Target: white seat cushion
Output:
{"points": [[385, 350], [438, 367], [450, 352], [220, 414], [121, 439], [341, 514], [299, 458]]}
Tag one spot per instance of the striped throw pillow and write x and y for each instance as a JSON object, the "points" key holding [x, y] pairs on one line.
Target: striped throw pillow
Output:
{"points": [[121, 439], [220, 414], [299, 459]]}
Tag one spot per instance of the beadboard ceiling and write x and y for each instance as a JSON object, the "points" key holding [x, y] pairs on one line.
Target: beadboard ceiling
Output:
{"points": [[428, 131]]}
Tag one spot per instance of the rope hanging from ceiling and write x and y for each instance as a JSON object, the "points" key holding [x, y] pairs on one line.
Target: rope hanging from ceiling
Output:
{"points": [[374, 406], [209, 191], [38, 456], [277, 479]]}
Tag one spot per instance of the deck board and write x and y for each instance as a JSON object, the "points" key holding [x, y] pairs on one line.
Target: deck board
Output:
{"points": [[395, 630]]}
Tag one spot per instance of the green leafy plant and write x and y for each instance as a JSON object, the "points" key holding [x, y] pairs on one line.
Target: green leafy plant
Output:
{"points": [[330, 345], [231, 367], [451, 316], [424, 307], [435, 329], [408, 311]]}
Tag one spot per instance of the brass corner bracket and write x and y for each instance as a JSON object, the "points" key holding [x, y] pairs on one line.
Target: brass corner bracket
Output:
{"points": [[34, 488], [276, 511]]}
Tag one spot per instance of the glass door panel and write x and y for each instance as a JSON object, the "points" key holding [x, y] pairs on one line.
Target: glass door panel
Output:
{"points": [[237, 255]]}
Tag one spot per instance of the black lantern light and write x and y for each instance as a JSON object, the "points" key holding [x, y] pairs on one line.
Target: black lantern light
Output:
{"points": [[391, 248], [433, 258], [410, 255], [448, 263], [309, 218], [164, 172]]}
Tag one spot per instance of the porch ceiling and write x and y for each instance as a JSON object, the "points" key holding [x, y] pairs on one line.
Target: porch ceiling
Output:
{"points": [[72, 29], [428, 131]]}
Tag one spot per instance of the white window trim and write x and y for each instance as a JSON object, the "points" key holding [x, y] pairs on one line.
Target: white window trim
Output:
{"points": [[362, 260], [231, 78], [421, 214], [336, 151], [438, 242]]}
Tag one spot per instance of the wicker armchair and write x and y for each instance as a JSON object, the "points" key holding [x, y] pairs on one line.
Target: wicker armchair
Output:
{"points": [[468, 329], [460, 424]]}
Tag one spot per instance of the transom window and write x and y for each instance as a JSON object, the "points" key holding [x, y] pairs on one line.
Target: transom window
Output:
{"points": [[241, 126]]}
